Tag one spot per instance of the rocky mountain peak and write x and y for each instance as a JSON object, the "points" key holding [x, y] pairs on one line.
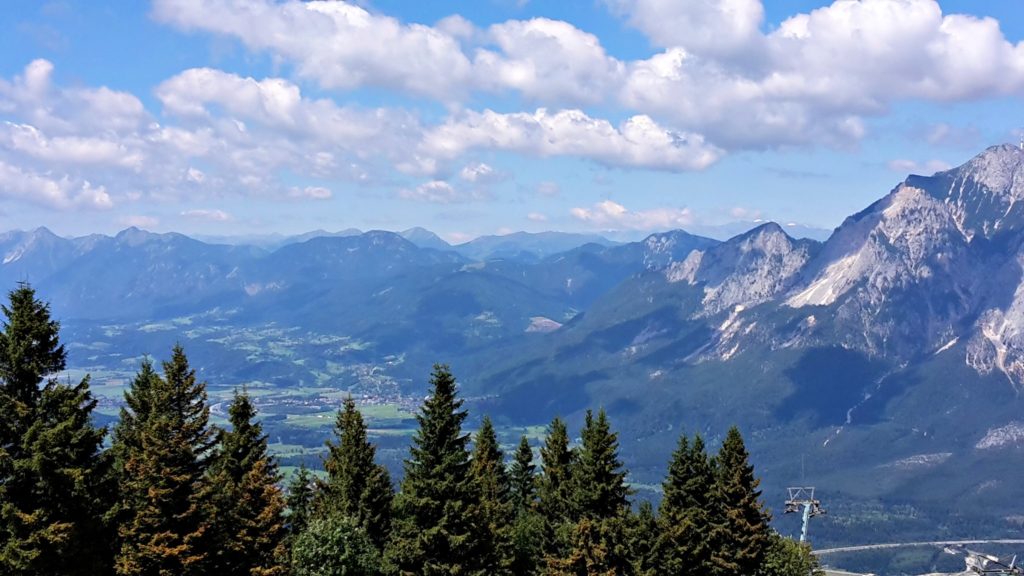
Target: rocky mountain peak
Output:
{"points": [[747, 270], [985, 195]]}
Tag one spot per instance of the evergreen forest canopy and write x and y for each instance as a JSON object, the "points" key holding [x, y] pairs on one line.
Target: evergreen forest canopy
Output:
{"points": [[165, 492]]}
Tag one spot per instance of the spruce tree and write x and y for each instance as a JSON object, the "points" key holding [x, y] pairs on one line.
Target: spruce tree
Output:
{"points": [[165, 527], [685, 515], [356, 486], [642, 537], [523, 477], [554, 490], [248, 503], [437, 531], [528, 527], [299, 501], [588, 555], [600, 480], [495, 508], [53, 492], [600, 492], [741, 535]]}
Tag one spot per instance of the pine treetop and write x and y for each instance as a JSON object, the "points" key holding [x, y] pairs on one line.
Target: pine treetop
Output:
{"points": [[523, 477], [600, 479], [488, 464], [30, 348]]}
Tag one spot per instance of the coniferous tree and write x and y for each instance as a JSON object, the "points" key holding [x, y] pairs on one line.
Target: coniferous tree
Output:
{"points": [[248, 503], [786, 557], [436, 530], [600, 490], [166, 496], [588, 555], [642, 537], [299, 500], [527, 530], [495, 508], [685, 515], [600, 481], [53, 492], [554, 491], [523, 477], [741, 534], [356, 486]]}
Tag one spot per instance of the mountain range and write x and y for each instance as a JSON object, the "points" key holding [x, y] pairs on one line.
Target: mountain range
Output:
{"points": [[884, 365]]}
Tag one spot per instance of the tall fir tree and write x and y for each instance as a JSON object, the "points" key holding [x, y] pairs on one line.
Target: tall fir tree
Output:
{"points": [[741, 534], [523, 477], [299, 501], [555, 502], [247, 502], [166, 515], [53, 492], [642, 537], [685, 514], [600, 480], [437, 530], [600, 492], [495, 508], [528, 527], [356, 486]]}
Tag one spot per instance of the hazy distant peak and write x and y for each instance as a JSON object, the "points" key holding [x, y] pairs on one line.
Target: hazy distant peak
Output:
{"points": [[424, 238]]}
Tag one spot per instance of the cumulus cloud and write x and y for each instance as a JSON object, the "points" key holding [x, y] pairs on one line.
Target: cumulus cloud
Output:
{"points": [[716, 27], [206, 214], [479, 172], [339, 44], [536, 217], [547, 60], [62, 193], [637, 142], [610, 215], [811, 80], [814, 78]]}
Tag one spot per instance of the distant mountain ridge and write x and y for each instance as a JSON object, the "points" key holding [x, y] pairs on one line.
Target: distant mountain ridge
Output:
{"points": [[899, 338]]}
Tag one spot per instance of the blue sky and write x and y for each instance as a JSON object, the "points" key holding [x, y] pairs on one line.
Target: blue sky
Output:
{"points": [[254, 116]]}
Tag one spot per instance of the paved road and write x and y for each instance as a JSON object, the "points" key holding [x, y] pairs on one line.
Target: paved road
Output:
{"points": [[911, 544]]}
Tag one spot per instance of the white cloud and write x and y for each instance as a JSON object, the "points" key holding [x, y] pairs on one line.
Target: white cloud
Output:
{"points": [[637, 142], [744, 213], [547, 60], [811, 80], [929, 167], [339, 44], [62, 193], [31, 141], [311, 192], [438, 192], [208, 215], [716, 27], [140, 221], [536, 217], [814, 78], [610, 215], [479, 172]]}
